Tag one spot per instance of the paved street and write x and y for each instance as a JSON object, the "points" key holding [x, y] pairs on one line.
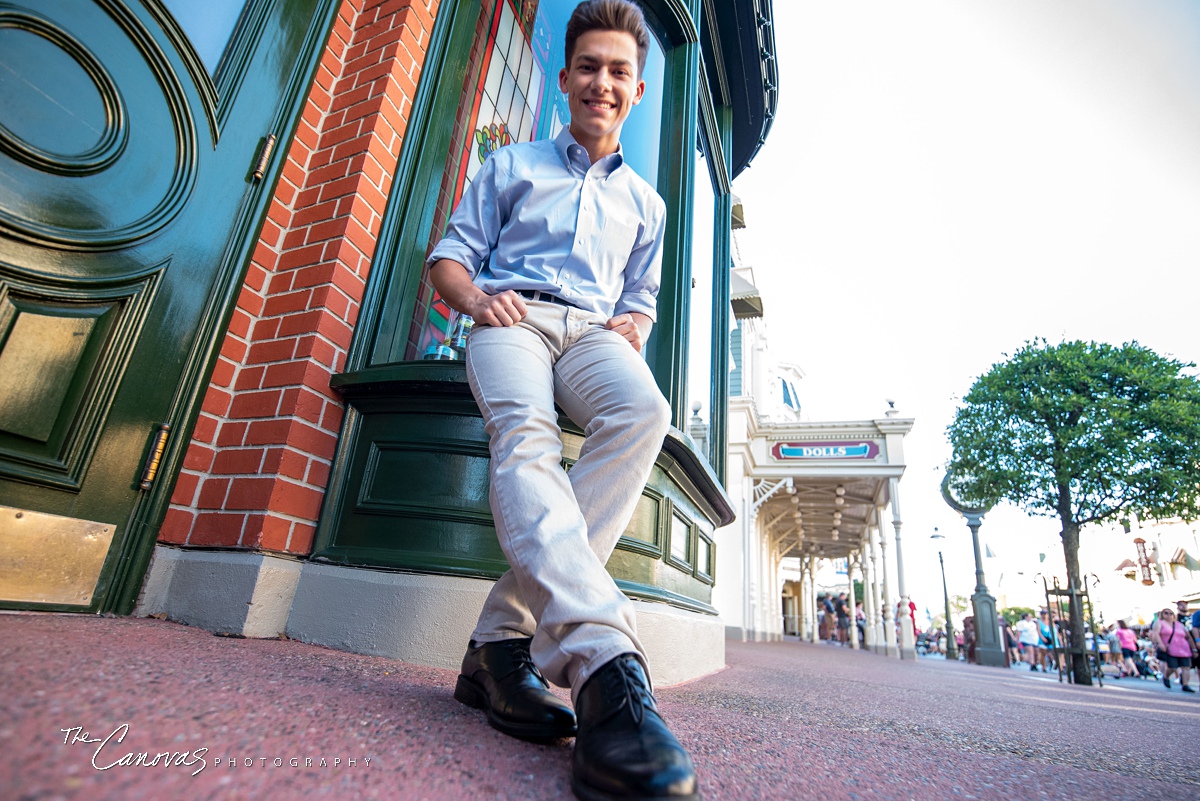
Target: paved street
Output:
{"points": [[784, 720]]}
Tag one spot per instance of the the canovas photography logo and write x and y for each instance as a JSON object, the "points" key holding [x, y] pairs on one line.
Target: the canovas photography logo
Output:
{"points": [[110, 754]]}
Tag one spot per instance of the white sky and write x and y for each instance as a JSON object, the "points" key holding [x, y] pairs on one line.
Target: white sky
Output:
{"points": [[946, 180]]}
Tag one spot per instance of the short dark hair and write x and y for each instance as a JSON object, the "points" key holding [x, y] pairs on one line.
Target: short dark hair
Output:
{"points": [[609, 15]]}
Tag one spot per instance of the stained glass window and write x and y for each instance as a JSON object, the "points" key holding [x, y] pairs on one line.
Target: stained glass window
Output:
{"points": [[511, 95]]}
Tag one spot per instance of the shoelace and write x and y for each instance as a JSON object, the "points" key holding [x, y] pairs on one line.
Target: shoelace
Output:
{"points": [[523, 659], [635, 690]]}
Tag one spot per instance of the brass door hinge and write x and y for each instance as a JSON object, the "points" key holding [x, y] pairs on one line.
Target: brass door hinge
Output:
{"points": [[157, 445], [264, 156]]}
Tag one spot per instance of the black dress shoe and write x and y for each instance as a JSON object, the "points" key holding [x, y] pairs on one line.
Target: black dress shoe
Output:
{"points": [[624, 749], [500, 678]]}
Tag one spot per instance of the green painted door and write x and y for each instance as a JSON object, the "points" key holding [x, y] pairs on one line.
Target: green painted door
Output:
{"points": [[128, 207]]}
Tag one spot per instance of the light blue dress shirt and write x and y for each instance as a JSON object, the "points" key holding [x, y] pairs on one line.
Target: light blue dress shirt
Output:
{"points": [[539, 215]]}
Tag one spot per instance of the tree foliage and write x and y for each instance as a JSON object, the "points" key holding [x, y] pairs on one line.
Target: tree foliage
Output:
{"points": [[1082, 431], [1085, 432]]}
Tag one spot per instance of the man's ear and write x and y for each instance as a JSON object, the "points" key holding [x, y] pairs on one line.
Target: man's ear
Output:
{"points": [[562, 80], [637, 95]]}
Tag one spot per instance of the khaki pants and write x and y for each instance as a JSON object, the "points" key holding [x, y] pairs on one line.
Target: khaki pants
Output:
{"points": [[558, 529]]}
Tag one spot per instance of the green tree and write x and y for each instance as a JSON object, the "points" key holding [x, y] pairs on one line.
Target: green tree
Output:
{"points": [[959, 604], [1085, 432]]}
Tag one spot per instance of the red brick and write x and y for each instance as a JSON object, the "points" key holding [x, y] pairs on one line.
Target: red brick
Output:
{"points": [[198, 458], [239, 323], [250, 378], [206, 429], [216, 402], [294, 239], [278, 285], [237, 462], [255, 404], [275, 351], [318, 473], [250, 494], [292, 464], [316, 275], [271, 461], [286, 374], [286, 304], [331, 420], [176, 527], [215, 529], [295, 500], [309, 406], [212, 493], [311, 440], [185, 488], [300, 257], [268, 432], [250, 301], [325, 210], [233, 350], [301, 323], [252, 532], [301, 541], [266, 329], [233, 433], [275, 533]]}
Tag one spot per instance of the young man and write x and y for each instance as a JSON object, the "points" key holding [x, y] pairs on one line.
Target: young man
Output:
{"points": [[555, 251]]}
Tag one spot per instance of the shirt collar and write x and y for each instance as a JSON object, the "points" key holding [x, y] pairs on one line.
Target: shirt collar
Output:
{"points": [[573, 153]]}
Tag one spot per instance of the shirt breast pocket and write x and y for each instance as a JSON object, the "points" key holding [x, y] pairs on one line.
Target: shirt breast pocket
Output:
{"points": [[617, 239]]}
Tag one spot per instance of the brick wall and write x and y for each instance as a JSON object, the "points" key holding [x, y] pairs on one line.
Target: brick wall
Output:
{"points": [[255, 473]]}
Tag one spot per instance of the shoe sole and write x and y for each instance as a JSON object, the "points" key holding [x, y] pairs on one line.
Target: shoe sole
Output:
{"points": [[585, 793], [468, 692]]}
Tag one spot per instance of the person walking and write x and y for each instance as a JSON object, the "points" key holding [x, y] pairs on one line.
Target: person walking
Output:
{"points": [[555, 251], [1129, 648], [1174, 649], [1027, 636]]}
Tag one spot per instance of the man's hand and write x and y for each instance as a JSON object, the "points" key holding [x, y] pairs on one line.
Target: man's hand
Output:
{"points": [[633, 326], [453, 283], [504, 309]]}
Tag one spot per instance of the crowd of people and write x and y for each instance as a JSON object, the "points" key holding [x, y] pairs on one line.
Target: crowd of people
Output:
{"points": [[1166, 648]]}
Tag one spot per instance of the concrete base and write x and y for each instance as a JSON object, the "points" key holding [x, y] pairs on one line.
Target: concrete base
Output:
{"points": [[417, 618], [232, 592]]}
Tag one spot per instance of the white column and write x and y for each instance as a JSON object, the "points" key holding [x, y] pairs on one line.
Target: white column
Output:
{"points": [[879, 600], [889, 603], [851, 565], [812, 599], [869, 610], [749, 536], [908, 644]]}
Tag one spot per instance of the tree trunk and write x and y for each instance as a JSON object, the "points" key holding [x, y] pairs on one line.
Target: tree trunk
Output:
{"points": [[1081, 672]]}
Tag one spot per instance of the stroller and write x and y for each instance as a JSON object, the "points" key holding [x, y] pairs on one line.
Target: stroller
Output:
{"points": [[1143, 667]]}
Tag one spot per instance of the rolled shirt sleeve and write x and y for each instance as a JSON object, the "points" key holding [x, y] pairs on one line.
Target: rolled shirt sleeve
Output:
{"points": [[474, 227], [643, 273]]}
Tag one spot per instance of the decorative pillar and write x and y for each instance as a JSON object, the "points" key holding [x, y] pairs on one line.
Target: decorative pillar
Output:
{"points": [[908, 644], [868, 569], [851, 565], [889, 605], [813, 632], [755, 585], [877, 599]]}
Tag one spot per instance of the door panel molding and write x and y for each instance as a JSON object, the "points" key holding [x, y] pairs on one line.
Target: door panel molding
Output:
{"points": [[79, 338], [139, 175]]}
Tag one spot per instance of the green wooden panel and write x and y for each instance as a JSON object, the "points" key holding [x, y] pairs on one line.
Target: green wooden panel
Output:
{"points": [[126, 201], [413, 492]]}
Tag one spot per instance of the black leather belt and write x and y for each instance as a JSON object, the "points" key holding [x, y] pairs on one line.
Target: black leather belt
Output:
{"points": [[544, 297]]}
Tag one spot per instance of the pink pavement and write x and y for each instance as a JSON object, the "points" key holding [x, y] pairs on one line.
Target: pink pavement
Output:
{"points": [[785, 720]]}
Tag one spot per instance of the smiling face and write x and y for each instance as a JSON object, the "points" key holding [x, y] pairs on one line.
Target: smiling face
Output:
{"points": [[602, 86]]}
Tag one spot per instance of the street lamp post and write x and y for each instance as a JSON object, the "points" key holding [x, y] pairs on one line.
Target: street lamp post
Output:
{"points": [[951, 648]]}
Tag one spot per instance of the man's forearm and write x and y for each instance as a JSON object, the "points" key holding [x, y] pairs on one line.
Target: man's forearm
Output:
{"points": [[453, 283]]}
